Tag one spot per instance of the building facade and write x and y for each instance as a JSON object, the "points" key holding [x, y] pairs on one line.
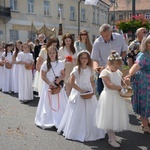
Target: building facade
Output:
{"points": [[122, 9], [17, 18]]}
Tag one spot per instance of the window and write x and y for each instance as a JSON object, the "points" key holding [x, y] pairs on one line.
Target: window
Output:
{"points": [[31, 35], [147, 16], [30, 6], [112, 17], [72, 13], [14, 36], [120, 17], [60, 10], [94, 15], [82, 14], [13, 4], [46, 8]]}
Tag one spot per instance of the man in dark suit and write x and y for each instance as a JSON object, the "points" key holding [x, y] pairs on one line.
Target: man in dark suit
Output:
{"points": [[37, 48]]}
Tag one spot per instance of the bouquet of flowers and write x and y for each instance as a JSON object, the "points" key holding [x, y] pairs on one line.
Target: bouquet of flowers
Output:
{"points": [[69, 58]]}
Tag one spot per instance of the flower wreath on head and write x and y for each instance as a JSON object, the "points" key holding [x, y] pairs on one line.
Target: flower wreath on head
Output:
{"points": [[114, 56]]}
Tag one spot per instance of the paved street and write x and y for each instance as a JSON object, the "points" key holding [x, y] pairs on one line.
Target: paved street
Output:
{"points": [[18, 131]]}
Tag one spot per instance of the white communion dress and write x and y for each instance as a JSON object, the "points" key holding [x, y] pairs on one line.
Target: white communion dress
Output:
{"points": [[112, 112], [51, 107], [78, 120]]}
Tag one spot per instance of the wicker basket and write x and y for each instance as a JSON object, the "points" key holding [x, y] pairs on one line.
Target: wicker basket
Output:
{"points": [[127, 93], [55, 90], [1, 64], [87, 95], [28, 67], [8, 65]]}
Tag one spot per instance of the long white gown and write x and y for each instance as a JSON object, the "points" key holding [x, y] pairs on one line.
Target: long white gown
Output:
{"points": [[112, 111], [77, 123], [15, 70], [51, 108], [7, 75], [25, 77]]}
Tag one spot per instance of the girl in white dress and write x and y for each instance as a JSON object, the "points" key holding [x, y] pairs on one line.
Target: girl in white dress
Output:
{"points": [[51, 107], [111, 113], [77, 122], [25, 75], [15, 68], [66, 50], [1, 65], [7, 85], [38, 81]]}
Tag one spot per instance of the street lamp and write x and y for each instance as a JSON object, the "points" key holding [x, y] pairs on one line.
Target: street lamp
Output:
{"points": [[60, 23], [115, 5], [79, 16]]}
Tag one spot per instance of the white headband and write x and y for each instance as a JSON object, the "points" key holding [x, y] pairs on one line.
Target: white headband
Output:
{"points": [[83, 51]]}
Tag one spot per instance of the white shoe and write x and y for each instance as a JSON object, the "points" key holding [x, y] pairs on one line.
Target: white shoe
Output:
{"points": [[114, 144]]}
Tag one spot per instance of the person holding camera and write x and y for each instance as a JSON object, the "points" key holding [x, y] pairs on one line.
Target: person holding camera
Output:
{"points": [[133, 48], [53, 97]]}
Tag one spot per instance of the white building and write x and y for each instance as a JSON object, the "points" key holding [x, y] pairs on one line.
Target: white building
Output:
{"points": [[16, 17]]}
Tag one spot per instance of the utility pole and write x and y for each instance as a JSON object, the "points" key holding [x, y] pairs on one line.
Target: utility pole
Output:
{"points": [[133, 14]]}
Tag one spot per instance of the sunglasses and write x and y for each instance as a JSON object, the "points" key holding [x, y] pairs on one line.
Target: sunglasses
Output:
{"points": [[83, 34]]}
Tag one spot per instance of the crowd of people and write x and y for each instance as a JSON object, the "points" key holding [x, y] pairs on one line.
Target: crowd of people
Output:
{"points": [[63, 76]]}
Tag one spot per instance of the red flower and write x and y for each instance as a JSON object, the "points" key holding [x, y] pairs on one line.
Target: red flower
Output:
{"points": [[69, 58]]}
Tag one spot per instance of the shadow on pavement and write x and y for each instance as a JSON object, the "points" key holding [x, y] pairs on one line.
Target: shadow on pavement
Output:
{"points": [[129, 140], [134, 121]]}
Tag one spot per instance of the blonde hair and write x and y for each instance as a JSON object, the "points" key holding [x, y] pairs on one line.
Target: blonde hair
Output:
{"points": [[143, 46], [114, 57]]}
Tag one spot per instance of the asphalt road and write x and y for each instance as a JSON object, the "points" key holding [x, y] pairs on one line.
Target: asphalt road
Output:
{"points": [[18, 132]]}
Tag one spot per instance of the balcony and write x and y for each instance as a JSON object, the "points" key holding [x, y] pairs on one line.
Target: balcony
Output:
{"points": [[5, 12]]}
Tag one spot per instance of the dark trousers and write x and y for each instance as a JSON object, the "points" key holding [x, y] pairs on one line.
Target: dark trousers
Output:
{"points": [[100, 85]]}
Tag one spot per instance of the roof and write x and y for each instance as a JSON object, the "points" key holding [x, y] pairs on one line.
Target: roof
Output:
{"points": [[127, 5]]}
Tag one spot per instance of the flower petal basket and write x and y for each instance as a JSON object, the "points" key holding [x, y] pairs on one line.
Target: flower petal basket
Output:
{"points": [[87, 95], [55, 90], [127, 94], [28, 66], [8, 65]]}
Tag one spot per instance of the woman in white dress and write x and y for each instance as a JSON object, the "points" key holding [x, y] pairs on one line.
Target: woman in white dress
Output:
{"points": [[77, 122], [111, 113], [15, 68], [51, 107], [66, 50], [1, 65], [25, 75], [38, 82], [7, 82]]}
